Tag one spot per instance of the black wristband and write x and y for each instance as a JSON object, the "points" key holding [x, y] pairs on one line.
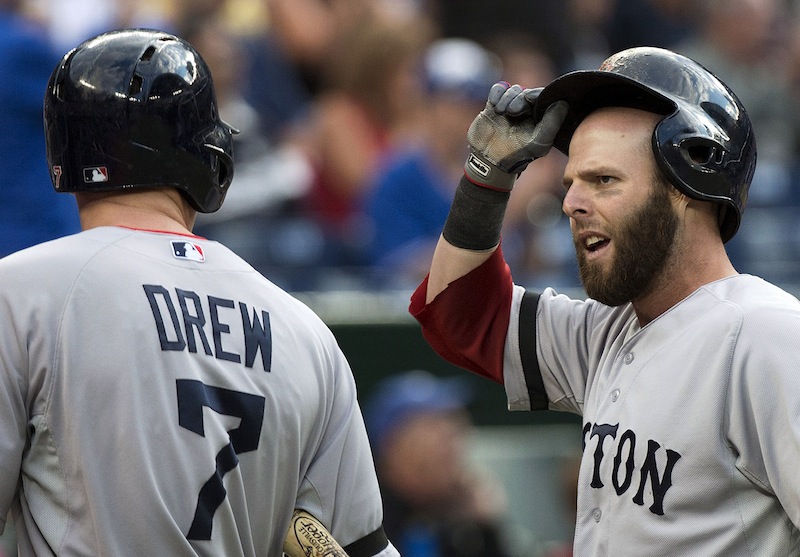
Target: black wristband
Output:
{"points": [[476, 216]]}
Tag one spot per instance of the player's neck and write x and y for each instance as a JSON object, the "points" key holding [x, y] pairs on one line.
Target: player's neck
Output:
{"points": [[163, 210], [686, 271]]}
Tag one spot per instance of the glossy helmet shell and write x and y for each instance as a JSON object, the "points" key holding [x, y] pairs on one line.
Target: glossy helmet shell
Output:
{"points": [[136, 108], [704, 144]]}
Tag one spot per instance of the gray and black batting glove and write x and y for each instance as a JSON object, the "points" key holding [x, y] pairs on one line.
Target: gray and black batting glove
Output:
{"points": [[504, 139]]}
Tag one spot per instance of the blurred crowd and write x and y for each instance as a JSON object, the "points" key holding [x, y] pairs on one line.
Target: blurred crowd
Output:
{"points": [[353, 116], [437, 501]]}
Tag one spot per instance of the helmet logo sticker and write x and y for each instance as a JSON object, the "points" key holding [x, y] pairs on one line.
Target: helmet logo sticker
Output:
{"points": [[95, 174], [187, 250]]}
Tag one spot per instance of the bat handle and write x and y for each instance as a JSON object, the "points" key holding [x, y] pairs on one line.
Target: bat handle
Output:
{"points": [[307, 537]]}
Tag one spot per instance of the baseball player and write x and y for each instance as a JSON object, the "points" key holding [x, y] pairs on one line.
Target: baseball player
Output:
{"points": [[684, 371], [158, 396]]}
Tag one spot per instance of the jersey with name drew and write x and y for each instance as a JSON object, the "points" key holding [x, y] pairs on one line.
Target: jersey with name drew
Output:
{"points": [[159, 396]]}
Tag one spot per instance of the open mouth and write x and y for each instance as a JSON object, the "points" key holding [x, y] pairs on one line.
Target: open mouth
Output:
{"points": [[595, 243]]}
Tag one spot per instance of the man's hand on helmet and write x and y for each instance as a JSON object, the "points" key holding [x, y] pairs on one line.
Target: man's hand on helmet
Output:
{"points": [[504, 139]]}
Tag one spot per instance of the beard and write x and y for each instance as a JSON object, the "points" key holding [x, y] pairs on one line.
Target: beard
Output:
{"points": [[642, 246]]}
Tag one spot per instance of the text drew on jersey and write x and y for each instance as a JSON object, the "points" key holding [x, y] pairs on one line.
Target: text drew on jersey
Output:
{"points": [[188, 320]]}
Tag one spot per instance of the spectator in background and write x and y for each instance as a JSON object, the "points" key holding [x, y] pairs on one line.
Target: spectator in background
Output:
{"points": [[414, 187], [589, 44], [436, 504], [792, 42], [662, 23], [292, 51], [369, 106], [259, 220], [744, 42], [71, 21], [533, 232], [480, 20], [29, 211], [412, 190], [269, 174], [568, 481]]}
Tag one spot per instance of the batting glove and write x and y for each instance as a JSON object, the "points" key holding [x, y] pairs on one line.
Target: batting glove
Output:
{"points": [[504, 139]]}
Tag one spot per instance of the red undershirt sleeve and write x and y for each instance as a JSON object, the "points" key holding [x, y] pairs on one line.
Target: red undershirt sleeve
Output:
{"points": [[467, 323]]}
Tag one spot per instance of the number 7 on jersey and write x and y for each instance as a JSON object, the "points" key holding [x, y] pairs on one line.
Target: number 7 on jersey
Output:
{"points": [[193, 396]]}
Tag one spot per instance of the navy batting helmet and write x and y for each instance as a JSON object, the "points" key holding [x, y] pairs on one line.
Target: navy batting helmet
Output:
{"points": [[136, 108], [704, 144]]}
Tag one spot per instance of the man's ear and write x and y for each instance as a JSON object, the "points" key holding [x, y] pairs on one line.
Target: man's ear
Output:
{"points": [[680, 201]]}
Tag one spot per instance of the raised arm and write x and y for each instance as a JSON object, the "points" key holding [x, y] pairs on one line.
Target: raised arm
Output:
{"points": [[464, 303], [503, 140]]}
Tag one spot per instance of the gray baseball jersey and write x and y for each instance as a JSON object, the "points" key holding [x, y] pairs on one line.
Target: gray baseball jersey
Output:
{"points": [[691, 437], [159, 396], [690, 424]]}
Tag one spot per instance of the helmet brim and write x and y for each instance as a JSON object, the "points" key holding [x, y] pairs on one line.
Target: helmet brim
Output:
{"points": [[587, 90]]}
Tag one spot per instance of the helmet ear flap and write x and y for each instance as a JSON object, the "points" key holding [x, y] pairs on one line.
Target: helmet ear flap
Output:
{"points": [[223, 165], [697, 157]]}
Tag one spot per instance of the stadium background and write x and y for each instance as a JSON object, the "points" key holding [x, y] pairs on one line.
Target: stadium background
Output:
{"points": [[752, 44]]}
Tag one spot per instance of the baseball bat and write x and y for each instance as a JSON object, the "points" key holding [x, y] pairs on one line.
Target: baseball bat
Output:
{"points": [[307, 537]]}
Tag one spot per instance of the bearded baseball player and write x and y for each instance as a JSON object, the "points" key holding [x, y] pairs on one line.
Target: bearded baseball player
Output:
{"points": [[158, 396], [685, 372]]}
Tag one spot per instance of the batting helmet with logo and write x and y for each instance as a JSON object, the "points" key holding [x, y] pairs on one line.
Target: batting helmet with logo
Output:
{"points": [[704, 144], [137, 108]]}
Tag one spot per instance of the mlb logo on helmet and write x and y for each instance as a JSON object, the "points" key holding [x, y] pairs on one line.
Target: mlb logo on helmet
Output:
{"points": [[95, 174], [187, 250]]}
